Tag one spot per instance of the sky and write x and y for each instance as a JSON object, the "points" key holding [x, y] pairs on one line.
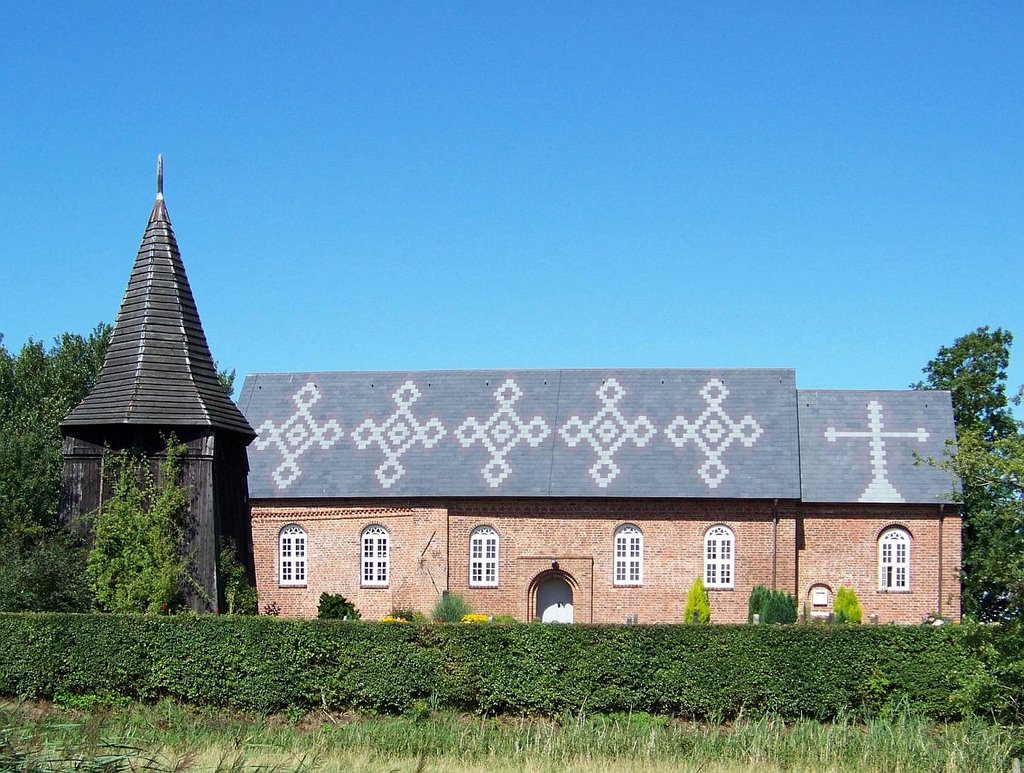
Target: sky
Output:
{"points": [[832, 187]]}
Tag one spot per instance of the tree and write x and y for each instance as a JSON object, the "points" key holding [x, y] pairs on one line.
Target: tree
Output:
{"points": [[974, 370], [992, 472], [697, 604], [988, 459], [38, 388]]}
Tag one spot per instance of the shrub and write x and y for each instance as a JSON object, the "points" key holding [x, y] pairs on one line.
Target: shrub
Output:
{"points": [[268, 664], [403, 614], [49, 577], [136, 562], [450, 608], [697, 604], [847, 607], [239, 594], [334, 606], [756, 602], [778, 607]]}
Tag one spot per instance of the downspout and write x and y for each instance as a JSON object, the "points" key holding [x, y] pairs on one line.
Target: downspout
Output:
{"points": [[447, 549], [775, 543], [938, 607]]}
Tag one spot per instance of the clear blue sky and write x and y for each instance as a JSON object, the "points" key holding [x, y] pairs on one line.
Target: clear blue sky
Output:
{"points": [[834, 187]]}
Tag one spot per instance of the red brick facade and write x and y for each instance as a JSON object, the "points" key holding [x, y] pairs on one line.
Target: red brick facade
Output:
{"points": [[789, 546]]}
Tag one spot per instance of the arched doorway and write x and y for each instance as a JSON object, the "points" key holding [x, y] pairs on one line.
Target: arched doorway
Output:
{"points": [[554, 599]]}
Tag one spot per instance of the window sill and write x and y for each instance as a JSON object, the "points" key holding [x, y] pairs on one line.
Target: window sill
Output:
{"points": [[286, 585], [375, 587]]}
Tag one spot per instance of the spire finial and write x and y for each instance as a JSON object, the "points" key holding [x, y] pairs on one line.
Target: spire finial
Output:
{"points": [[160, 177]]}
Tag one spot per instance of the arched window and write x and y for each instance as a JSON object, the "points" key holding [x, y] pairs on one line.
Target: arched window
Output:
{"points": [[719, 557], [483, 557], [894, 559], [629, 555], [376, 556], [291, 555]]}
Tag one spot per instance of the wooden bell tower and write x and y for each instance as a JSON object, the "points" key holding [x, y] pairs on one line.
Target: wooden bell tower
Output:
{"points": [[159, 378]]}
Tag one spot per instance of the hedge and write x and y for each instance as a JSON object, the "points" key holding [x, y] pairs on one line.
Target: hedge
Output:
{"points": [[269, 664]]}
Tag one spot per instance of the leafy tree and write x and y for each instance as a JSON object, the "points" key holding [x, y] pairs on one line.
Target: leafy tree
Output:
{"points": [[974, 370], [38, 387], [992, 472], [988, 459], [847, 607], [136, 562], [697, 603]]}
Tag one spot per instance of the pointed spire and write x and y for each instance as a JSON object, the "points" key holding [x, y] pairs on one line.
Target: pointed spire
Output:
{"points": [[158, 370], [159, 177]]}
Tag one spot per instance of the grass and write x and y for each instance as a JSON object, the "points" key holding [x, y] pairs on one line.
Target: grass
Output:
{"points": [[168, 737]]}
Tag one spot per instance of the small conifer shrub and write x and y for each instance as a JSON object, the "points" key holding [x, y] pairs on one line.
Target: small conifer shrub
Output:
{"points": [[698, 605], [450, 608], [778, 607], [757, 598], [847, 607]]}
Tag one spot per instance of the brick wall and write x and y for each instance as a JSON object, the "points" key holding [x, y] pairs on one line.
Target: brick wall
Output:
{"points": [[788, 546], [839, 546]]}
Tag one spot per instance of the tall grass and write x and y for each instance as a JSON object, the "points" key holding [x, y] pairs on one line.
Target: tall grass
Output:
{"points": [[168, 737]]}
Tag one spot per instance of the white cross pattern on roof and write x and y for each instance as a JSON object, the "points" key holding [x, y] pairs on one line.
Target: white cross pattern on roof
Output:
{"points": [[879, 489], [296, 435], [501, 432], [713, 432], [607, 431], [399, 432]]}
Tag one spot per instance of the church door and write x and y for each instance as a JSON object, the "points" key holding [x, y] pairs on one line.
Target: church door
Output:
{"points": [[554, 601]]}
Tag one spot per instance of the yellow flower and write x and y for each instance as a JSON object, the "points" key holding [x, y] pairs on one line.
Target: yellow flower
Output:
{"points": [[475, 618], [390, 619]]}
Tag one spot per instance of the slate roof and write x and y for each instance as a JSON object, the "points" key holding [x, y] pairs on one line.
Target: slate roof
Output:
{"points": [[744, 434], [158, 369]]}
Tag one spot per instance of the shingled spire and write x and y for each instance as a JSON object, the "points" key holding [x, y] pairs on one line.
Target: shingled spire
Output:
{"points": [[158, 370]]}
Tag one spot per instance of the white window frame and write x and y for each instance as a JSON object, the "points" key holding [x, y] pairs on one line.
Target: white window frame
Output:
{"points": [[628, 551], [292, 549], [719, 557], [375, 557], [894, 559], [484, 551]]}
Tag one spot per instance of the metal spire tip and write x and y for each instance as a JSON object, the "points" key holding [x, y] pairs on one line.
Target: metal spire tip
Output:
{"points": [[160, 177]]}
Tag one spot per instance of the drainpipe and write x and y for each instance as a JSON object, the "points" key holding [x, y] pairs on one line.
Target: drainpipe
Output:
{"points": [[938, 606], [775, 542]]}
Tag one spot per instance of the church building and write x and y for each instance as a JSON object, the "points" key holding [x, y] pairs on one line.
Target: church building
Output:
{"points": [[593, 496]]}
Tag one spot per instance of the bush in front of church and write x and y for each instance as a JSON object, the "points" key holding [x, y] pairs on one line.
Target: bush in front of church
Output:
{"points": [[778, 607], [334, 606], [450, 608], [757, 598], [698, 605], [847, 607]]}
